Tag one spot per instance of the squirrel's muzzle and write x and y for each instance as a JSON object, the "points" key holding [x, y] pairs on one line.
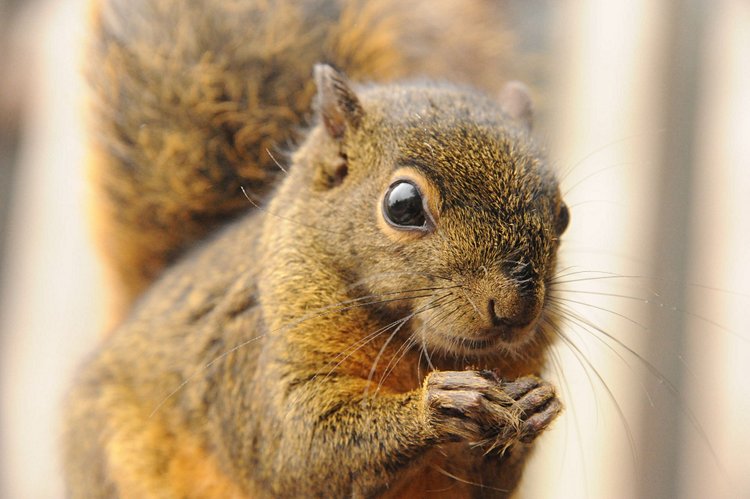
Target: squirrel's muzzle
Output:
{"points": [[510, 307]]}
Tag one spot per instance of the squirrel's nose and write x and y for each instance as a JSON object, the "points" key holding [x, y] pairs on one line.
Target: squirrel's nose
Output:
{"points": [[512, 310]]}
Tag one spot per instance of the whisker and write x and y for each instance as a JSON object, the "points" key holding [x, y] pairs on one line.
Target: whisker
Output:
{"points": [[367, 339], [558, 299], [411, 341], [556, 363], [686, 411], [463, 480], [466, 295], [404, 273], [280, 217], [614, 275], [276, 162], [621, 414], [356, 346], [440, 320], [648, 301], [570, 189], [602, 293], [586, 325], [328, 309], [200, 371], [405, 347], [599, 149], [424, 308], [600, 275], [427, 356]]}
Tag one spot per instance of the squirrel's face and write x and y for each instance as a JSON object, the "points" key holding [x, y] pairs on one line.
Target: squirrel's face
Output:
{"points": [[472, 217], [447, 209]]}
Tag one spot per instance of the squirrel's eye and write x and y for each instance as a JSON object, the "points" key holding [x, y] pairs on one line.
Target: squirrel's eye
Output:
{"points": [[563, 218], [402, 206]]}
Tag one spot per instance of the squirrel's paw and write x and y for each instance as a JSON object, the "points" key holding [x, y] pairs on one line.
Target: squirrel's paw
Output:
{"points": [[538, 403], [477, 406]]}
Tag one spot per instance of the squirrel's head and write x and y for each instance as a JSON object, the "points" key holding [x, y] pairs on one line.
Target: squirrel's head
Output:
{"points": [[435, 202]]}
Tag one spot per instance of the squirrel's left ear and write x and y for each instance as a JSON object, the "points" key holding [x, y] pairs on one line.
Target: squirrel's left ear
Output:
{"points": [[337, 103], [516, 102]]}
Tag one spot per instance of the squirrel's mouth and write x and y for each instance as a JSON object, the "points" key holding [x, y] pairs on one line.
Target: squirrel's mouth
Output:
{"points": [[512, 335], [506, 336], [486, 341], [478, 340]]}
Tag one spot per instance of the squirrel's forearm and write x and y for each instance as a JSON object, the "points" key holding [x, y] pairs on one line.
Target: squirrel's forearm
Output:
{"points": [[370, 435], [353, 438]]}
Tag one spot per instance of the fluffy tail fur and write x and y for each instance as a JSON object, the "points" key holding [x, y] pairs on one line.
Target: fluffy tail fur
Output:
{"points": [[192, 99]]}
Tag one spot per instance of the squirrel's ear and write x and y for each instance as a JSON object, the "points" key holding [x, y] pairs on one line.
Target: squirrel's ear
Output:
{"points": [[516, 102], [337, 103]]}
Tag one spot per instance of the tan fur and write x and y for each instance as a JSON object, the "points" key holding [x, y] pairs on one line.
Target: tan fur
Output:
{"points": [[266, 362], [182, 116]]}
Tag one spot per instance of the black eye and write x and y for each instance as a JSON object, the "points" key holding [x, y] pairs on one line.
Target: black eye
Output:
{"points": [[563, 218], [402, 206]]}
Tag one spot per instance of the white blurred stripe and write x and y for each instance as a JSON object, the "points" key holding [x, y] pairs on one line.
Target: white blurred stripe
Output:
{"points": [[48, 306], [604, 106], [719, 389]]}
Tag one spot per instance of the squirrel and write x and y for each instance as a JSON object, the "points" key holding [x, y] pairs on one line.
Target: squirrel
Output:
{"points": [[375, 324]]}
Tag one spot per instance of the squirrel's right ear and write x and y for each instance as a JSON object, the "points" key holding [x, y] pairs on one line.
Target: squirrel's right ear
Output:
{"points": [[516, 102], [337, 103]]}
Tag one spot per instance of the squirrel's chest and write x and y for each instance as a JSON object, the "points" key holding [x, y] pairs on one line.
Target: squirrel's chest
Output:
{"points": [[456, 470]]}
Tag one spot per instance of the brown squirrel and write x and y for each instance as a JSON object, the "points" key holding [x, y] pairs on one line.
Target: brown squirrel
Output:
{"points": [[316, 346]]}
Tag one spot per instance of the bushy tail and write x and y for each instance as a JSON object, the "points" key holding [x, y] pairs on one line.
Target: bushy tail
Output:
{"points": [[191, 99]]}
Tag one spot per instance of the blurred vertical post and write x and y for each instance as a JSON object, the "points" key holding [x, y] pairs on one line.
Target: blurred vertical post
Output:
{"points": [[49, 307], [605, 110], [676, 85], [652, 111], [715, 463]]}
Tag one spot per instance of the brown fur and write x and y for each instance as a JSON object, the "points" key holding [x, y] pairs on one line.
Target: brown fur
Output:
{"points": [[253, 366], [193, 99]]}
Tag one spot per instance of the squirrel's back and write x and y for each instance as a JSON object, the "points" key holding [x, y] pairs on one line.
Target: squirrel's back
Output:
{"points": [[192, 100]]}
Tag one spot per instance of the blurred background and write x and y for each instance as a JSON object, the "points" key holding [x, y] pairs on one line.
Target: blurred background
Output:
{"points": [[645, 109]]}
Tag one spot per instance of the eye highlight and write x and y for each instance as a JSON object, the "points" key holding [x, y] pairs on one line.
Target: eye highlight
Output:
{"points": [[403, 207]]}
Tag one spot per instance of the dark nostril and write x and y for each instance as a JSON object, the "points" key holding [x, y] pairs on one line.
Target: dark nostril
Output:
{"points": [[491, 310], [495, 315]]}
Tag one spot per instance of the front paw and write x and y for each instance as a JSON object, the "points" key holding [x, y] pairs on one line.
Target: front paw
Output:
{"points": [[479, 407], [538, 403]]}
